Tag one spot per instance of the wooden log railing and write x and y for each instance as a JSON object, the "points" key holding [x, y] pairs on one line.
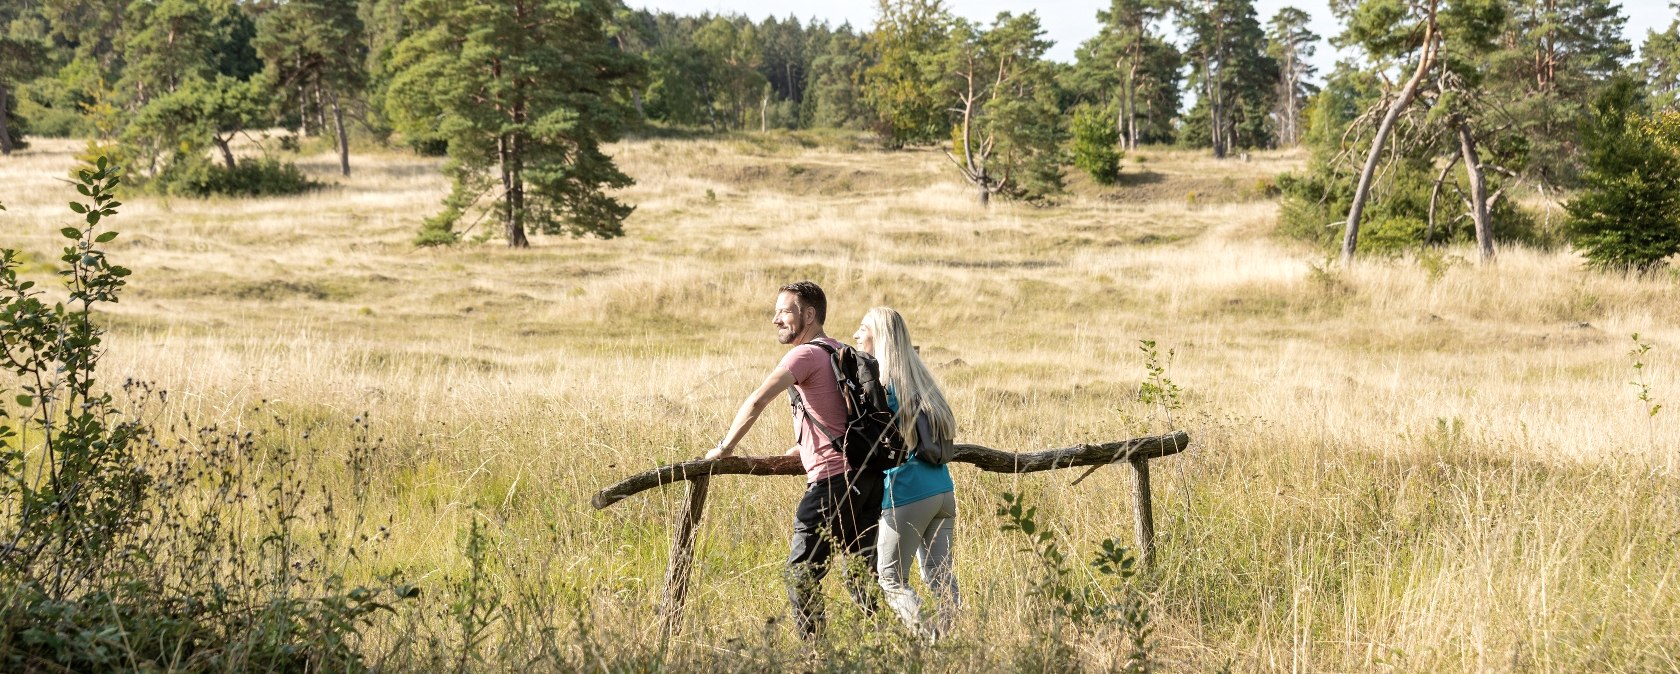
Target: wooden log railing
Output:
{"points": [[984, 458], [1136, 451]]}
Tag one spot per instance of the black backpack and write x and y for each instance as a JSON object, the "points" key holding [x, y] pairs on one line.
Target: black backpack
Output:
{"points": [[871, 442]]}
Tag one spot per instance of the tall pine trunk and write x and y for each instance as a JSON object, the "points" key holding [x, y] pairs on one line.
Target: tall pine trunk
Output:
{"points": [[303, 112], [1362, 192], [1478, 191], [1289, 118], [320, 108], [711, 110], [343, 138], [5, 126], [1216, 122], [516, 194]]}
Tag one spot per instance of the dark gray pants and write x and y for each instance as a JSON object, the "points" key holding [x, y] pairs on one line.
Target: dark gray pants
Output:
{"points": [[841, 512]]}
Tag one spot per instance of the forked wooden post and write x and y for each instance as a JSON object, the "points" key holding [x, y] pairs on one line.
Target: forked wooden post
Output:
{"points": [[1137, 451], [682, 555]]}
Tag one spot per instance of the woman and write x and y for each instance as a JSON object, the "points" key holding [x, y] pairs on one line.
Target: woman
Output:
{"points": [[919, 505]]}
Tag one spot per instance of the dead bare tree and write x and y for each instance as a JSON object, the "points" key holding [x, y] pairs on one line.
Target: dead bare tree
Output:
{"points": [[1362, 192]]}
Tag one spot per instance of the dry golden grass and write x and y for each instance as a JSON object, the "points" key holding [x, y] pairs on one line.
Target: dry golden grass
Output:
{"points": [[1407, 466]]}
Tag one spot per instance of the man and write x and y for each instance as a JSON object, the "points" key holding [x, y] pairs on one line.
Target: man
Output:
{"points": [[841, 507]]}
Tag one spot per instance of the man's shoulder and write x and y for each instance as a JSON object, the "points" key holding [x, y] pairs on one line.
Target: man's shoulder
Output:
{"points": [[807, 359], [816, 346]]}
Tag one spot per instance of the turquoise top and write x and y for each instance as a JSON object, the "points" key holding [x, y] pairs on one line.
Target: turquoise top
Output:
{"points": [[915, 479]]}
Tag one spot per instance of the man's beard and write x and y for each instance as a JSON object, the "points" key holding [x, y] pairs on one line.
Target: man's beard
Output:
{"points": [[790, 334]]}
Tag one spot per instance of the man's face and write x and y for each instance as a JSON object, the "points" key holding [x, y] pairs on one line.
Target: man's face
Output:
{"points": [[789, 318]]}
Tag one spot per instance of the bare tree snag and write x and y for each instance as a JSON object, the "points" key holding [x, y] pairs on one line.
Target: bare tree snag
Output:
{"points": [[1350, 238], [1478, 191]]}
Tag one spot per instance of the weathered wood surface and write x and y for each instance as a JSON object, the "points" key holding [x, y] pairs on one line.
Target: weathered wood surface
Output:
{"points": [[682, 556], [984, 458], [1144, 512]]}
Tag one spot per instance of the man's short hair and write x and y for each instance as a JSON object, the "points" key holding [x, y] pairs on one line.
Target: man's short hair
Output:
{"points": [[810, 295]]}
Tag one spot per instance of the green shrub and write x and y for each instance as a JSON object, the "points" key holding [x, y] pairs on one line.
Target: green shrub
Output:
{"points": [[113, 562], [1065, 600], [1628, 215], [252, 177], [1095, 144], [54, 109]]}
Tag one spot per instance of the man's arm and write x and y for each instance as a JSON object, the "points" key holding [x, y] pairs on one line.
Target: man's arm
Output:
{"points": [[779, 380]]}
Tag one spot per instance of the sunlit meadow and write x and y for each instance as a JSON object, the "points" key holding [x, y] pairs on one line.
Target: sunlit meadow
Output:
{"points": [[1418, 464]]}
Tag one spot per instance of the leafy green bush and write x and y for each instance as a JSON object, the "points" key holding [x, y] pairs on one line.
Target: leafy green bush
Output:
{"points": [[53, 109], [1095, 144], [1628, 215], [114, 561], [1063, 601], [251, 177]]}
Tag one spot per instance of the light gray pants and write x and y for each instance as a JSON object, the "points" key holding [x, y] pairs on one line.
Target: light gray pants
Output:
{"points": [[920, 529]]}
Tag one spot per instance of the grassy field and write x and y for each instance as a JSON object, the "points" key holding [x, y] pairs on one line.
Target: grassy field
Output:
{"points": [[1417, 464]]}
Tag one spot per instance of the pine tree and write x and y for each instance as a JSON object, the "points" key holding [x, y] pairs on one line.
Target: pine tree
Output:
{"points": [[1124, 48], [1232, 73], [1128, 67], [1007, 139], [384, 26], [523, 88], [835, 99], [1291, 45], [1406, 31], [315, 56], [1094, 144], [1556, 57], [1628, 215], [1659, 62], [171, 43], [1467, 111], [22, 57], [186, 85]]}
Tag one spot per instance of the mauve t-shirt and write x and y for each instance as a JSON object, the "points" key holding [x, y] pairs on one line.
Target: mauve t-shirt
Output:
{"points": [[813, 375]]}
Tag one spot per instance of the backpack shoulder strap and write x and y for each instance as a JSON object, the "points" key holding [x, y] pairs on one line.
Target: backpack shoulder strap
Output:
{"points": [[798, 401], [832, 352]]}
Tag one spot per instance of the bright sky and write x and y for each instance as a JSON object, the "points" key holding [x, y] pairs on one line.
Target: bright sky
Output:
{"points": [[1070, 22]]}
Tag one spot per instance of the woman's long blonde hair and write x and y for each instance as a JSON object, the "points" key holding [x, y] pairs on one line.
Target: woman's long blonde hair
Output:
{"points": [[912, 383]]}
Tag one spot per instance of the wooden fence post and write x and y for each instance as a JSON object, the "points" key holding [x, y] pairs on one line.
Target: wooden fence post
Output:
{"points": [[1145, 512], [682, 555]]}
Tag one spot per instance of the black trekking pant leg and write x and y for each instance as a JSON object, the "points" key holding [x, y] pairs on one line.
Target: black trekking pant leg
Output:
{"points": [[842, 511]]}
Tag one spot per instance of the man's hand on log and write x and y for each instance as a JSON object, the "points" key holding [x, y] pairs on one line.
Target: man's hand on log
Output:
{"points": [[718, 452]]}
